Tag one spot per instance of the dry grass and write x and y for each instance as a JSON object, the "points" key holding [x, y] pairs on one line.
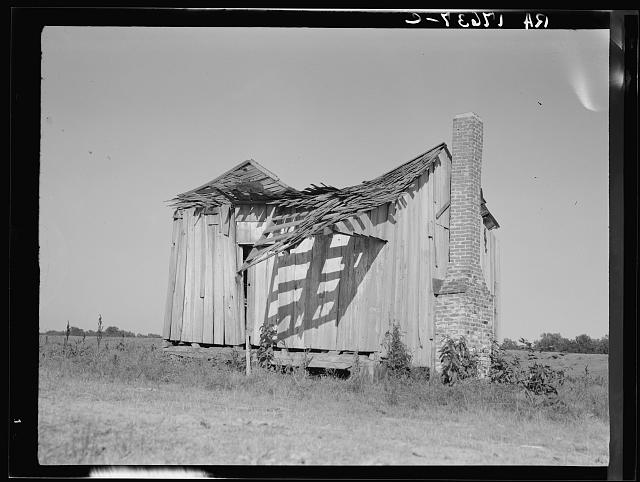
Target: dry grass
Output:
{"points": [[133, 404]]}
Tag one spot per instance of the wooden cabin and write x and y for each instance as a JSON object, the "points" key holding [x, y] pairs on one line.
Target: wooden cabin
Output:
{"points": [[333, 268]]}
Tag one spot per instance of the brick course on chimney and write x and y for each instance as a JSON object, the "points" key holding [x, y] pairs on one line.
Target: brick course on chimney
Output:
{"points": [[464, 304]]}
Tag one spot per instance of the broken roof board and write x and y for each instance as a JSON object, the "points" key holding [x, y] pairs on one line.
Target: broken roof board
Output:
{"points": [[246, 182], [329, 208], [322, 207]]}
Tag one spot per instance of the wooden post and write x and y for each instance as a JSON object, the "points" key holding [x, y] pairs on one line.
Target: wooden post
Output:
{"points": [[247, 349]]}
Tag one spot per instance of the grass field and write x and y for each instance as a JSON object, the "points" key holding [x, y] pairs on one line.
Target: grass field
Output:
{"points": [[132, 404]]}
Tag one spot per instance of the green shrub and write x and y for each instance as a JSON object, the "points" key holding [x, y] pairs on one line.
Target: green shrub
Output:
{"points": [[501, 368], [457, 361], [398, 359], [538, 378], [268, 339]]}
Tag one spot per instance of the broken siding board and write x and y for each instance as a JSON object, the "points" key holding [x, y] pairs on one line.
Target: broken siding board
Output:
{"points": [[251, 213], [166, 330], [207, 322], [248, 232]]}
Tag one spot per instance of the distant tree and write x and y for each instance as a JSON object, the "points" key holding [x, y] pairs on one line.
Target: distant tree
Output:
{"points": [[551, 342], [509, 344], [153, 335], [112, 331], [580, 344], [75, 331], [602, 345], [584, 344]]}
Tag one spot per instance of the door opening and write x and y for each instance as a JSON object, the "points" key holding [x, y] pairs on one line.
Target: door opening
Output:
{"points": [[246, 249]]}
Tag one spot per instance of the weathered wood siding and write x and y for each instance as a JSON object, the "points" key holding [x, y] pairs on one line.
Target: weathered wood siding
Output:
{"points": [[332, 292], [202, 304], [490, 262], [341, 292]]}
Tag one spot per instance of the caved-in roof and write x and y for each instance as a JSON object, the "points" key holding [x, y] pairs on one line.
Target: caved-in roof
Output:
{"points": [[301, 214], [321, 207], [246, 182]]}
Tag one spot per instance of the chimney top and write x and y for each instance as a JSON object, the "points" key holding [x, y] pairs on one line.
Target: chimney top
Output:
{"points": [[467, 114]]}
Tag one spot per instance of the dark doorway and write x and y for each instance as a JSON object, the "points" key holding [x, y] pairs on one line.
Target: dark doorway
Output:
{"points": [[246, 249]]}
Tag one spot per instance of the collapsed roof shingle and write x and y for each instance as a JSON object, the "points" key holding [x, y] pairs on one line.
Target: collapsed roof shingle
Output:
{"points": [[301, 214], [322, 207]]}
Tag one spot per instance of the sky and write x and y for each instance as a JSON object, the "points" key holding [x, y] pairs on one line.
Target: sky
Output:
{"points": [[132, 116]]}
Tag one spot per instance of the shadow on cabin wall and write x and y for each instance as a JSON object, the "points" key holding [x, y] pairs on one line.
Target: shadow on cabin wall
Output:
{"points": [[333, 273], [334, 266]]}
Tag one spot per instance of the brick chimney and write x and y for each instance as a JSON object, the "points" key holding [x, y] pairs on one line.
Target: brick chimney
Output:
{"points": [[464, 305]]}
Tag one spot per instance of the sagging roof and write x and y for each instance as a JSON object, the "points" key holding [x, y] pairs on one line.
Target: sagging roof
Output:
{"points": [[246, 182], [302, 214], [318, 207]]}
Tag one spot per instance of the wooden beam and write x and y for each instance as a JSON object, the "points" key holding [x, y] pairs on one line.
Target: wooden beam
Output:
{"points": [[443, 209]]}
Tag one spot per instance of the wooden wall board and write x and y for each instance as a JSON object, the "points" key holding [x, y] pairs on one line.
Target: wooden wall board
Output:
{"points": [[177, 309], [197, 300], [166, 329], [232, 320], [218, 279], [187, 326], [207, 321]]}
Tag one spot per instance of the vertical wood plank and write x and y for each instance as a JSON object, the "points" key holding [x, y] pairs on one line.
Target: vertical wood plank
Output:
{"points": [[311, 301], [331, 260], [178, 296], [207, 322], [497, 293], [343, 321], [187, 330], [166, 329], [232, 332], [218, 247], [253, 300], [198, 301], [271, 281], [238, 277]]}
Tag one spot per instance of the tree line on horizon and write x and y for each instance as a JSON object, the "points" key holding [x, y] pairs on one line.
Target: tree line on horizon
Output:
{"points": [[110, 331], [555, 342]]}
